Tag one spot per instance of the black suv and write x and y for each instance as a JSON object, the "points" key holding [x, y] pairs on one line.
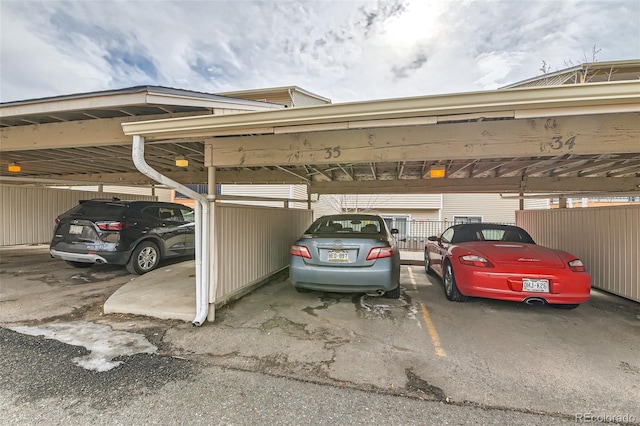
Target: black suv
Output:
{"points": [[137, 234]]}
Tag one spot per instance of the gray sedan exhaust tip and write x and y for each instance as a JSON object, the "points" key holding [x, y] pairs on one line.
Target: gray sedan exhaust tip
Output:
{"points": [[377, 293]]}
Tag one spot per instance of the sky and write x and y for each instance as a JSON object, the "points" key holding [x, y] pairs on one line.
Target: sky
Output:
{"points": [[343, 50]]}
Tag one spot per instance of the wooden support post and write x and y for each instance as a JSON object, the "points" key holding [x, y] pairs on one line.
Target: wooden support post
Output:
{"points": [[562, 203]]}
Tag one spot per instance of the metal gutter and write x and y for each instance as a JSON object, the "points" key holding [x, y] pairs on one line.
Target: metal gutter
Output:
{"points": [[624, 95], [202, 227]]}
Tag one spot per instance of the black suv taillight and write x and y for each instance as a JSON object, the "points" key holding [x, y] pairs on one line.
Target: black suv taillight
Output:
{"points": [[113, 226]]}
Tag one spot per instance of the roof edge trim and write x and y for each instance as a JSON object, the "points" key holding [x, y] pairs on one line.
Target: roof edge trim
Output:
{"points": [[625, 94]]}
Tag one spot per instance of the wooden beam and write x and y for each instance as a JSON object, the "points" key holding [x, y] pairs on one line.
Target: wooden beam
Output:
{"points": [[478, 185], [187, 177], [73, 134], [418, 186], [580, 135]]}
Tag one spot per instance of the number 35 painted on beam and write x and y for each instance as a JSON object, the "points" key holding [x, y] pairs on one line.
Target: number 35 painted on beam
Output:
{"points": [[332, 152]]}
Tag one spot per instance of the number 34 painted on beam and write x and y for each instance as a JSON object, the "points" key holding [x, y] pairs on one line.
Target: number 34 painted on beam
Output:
{"points": [[557, 142]]}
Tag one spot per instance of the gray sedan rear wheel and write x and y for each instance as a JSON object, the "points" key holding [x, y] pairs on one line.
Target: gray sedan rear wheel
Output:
{"points": [[393, 294]]}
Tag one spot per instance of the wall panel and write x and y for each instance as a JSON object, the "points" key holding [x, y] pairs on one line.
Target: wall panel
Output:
{"points": [[253, 244], [606, 239], [27, 214]]}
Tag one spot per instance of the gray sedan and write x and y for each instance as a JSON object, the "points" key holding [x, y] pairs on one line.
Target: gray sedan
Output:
{"points": [[347, 253]]}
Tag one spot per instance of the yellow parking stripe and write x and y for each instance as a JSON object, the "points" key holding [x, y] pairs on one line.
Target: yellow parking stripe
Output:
{"points": [[435, 338]]}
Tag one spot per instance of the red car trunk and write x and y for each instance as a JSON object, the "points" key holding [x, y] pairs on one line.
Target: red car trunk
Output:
{"points": [[518, 254]]}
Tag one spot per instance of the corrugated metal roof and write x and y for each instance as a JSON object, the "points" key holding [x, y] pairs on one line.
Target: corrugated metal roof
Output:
{"points": [[594, 72]]}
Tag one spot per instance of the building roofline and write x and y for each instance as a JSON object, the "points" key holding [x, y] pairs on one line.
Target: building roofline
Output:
{"points": [[276, 89], [592, 65], [137, 95]]}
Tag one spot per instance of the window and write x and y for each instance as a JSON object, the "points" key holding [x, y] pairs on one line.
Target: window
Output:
{"points": [[199, 188], [466, 219], [188, 215], [401, 222], [447, 235]]}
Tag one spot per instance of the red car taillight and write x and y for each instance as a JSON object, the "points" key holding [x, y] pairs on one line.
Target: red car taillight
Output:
{"points": [[301, 251], [380, 253], [113, 226], [576, 265], [473, 260]]}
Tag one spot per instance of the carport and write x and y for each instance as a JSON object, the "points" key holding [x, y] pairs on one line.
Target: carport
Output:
{"points": [[554, 141]]}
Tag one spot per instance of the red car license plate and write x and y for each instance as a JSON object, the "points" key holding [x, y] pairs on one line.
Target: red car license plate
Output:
{"points": [[535, 285]]}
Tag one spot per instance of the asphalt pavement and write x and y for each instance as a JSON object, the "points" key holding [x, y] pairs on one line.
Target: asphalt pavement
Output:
{"points": [[41, 385]]}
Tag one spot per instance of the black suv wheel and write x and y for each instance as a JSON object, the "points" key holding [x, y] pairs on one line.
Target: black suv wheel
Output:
{"points": [[144, 258]]}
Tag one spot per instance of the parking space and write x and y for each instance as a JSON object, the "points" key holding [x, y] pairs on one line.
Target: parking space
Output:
{"points": [[488, 353]]}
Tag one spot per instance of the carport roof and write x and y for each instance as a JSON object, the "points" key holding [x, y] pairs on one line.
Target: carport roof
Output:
{"points": [[128, 102], [376, 168]]}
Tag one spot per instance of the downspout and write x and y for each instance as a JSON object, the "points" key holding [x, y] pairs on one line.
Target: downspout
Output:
{"points": [[202, 227]]}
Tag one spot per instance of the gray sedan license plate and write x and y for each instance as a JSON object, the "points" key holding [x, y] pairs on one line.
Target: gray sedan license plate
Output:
{"points": [[338, 256], [535, 285]]}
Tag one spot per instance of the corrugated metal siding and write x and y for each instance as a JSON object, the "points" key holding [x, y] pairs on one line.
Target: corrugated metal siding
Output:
{"points": [[490, 207], [299, 192], [554, 80], [302, 100], [273, 191], [162, 194], [281, 98], [606, 239], [326, 205], [27, 214], [253, 243], [536, 203]]}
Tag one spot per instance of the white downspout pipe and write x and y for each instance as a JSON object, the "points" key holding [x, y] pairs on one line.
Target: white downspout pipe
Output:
{"points": [[202, 227]]}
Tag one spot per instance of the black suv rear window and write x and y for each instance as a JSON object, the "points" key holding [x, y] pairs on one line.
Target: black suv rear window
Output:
{"points": [[101, 210]]}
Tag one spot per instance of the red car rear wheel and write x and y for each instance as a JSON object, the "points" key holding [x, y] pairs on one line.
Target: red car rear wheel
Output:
{"points": [[450, 286]]}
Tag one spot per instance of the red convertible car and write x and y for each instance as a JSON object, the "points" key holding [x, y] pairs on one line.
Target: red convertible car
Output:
{"points": [[503, 262]]}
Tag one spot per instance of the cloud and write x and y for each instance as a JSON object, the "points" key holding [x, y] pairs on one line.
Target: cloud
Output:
{"points": [[344, 50], [404, 70]]}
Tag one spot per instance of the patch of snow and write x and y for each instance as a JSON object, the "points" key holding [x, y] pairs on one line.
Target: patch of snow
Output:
{"points": [[104, 343]]}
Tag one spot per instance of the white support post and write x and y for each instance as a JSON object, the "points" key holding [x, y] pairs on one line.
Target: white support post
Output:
{"points": [[213, 243]]}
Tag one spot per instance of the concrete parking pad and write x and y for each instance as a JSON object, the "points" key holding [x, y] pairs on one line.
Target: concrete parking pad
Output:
{"points": [[491, 354], [166, 293]]}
